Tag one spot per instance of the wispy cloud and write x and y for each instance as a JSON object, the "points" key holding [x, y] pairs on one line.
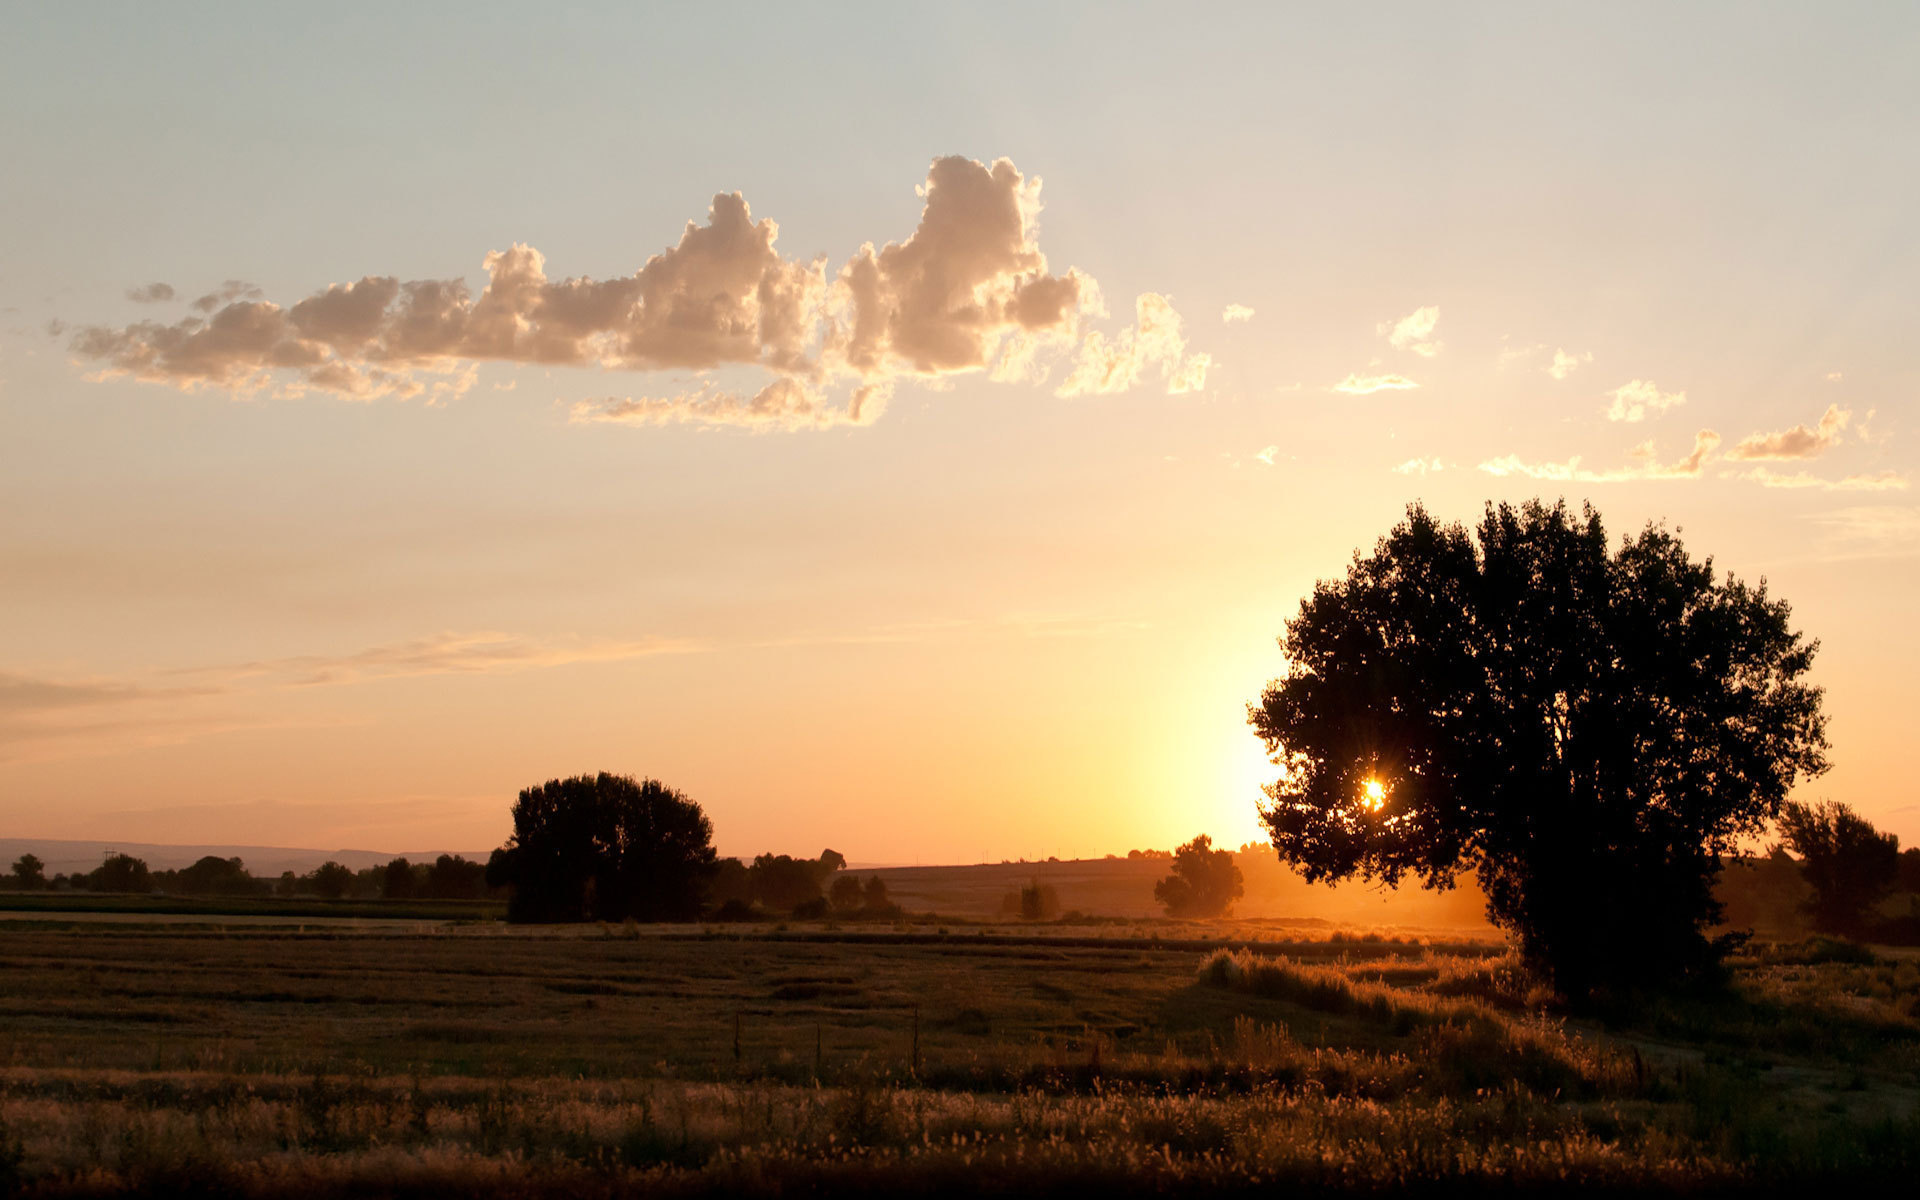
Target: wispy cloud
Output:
{"points": [[1266, 456], [486, 652], [784, 404], [1646, 465], [1872, 531], [1236, 312], [1419, 466], [1565, 364], [969, 290], [1636, 400], [1415, 331], [151, 293], [1365, 385], [1798, 442], [1879, 481], [1154, 347]]}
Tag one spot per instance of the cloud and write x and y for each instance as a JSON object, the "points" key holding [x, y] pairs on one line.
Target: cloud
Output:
{"points": [[969, 290], [1153, 347], [1414, 331], [784, 404], [1419, 466], [1514, 353], [1647, 466], [1565, 364], [1632, 401], [442, 654], [231, 290], [152, 293], [1366, 385], [1798, 442], [27, 694], [1834, 376], [1874, 529], [1236, 312], [1882, 481], [1266, 456]]}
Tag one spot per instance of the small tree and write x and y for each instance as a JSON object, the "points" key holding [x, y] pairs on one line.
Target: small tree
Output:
{"points": [[120, 873], [1205, 882], [215, 876], [605, 847], [452, 877], [845, 894], [29, 873], [1588, 731], [1039, 902], [396, 880], [1851, 865], [873, 896], [331, 880]]}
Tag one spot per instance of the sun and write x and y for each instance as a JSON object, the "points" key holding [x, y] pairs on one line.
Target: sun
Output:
{"points": [[1372, 794]]}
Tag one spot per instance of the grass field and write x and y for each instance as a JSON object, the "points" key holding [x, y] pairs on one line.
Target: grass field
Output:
{"points": [[605, 1060]]}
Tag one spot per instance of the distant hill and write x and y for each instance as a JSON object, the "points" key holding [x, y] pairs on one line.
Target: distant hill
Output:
{"points": [[68, 857], [1122, 887]]}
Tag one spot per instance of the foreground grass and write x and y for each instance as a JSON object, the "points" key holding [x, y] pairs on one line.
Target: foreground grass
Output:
{"points": [[142, 1062]]}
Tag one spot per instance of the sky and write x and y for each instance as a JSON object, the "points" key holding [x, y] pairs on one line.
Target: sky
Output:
{"points": [[902, 428]]}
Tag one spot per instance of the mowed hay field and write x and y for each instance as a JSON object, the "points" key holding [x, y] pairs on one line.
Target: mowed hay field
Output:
{"points": [[602, 1061]]}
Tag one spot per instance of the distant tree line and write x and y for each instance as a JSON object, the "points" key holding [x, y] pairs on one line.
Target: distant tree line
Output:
{"points": [[449, 877]]}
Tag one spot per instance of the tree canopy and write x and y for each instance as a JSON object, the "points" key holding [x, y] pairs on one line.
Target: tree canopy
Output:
{"points": [[1587, 730], [1205, 882], [605, 847], [1850, 864]]}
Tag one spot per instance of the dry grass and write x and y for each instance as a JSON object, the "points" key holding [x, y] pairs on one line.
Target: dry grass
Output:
{"points": [[254, 1064]]}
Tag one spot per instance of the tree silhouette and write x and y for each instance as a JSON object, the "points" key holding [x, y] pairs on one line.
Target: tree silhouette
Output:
{"points": [[782, 882], [1851, 865], [120, 873], [1587, 731], [215, 876], [845, 894], [605, 847], [452, 877], [331, 880], [1205, 882], [29, 873], [396, 880]]}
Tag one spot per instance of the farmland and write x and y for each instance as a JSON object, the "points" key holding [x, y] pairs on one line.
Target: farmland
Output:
{"points": [[1131, 1056]]}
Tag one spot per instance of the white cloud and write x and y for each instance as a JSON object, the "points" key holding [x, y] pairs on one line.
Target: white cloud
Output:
{"points": [[1154, 346], [1419, 466], [1634, 400], [1513, 354], [1365, 385], [1647, 465], [969, 290], [1798, 442], [1266, 456], [1565, 364], [1236, 312], [1415, 331], [784, 404]]}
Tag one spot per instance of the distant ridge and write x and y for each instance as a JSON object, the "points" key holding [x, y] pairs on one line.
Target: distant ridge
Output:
{"points": [[68, 857]]}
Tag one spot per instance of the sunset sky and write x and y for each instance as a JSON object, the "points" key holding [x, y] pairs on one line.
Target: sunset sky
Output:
{"points": [[955, 517]]}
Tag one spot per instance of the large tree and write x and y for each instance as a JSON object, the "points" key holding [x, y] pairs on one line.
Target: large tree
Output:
{"points": [[605, 847], [1205, 882], [1587, 729], [1851, 865]]}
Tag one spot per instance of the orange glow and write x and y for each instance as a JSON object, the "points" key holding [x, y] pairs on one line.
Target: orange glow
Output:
{"points": [[1373, 795]]}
